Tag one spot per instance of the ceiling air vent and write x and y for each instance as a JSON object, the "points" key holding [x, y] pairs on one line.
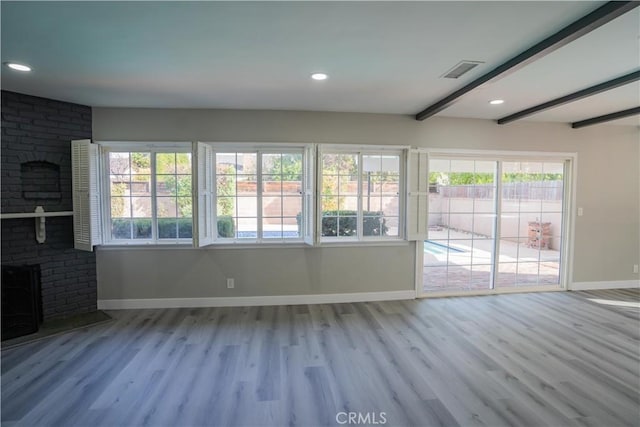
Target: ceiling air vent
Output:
{"points": [[461, 68]]}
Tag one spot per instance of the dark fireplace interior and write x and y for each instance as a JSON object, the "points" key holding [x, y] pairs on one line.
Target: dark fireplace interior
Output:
{"points": [[21, 300]]}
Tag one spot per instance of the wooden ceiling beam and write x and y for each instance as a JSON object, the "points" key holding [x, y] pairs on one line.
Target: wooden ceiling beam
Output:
{"points": [[607, 118], [575, 96], [602, 15]]}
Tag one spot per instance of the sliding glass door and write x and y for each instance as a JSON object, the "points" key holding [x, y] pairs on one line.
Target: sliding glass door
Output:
{"points": [[493, 224]]}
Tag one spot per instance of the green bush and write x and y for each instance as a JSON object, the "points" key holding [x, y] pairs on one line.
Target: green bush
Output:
{"points": [[226, 227], [142, 228], [172, 228], [185, 228], [121, 228], [373, 223]]}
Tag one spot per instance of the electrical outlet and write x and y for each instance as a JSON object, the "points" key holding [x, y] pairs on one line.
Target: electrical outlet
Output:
{"points": [[580, 212], [635, 268], [231, 283]]}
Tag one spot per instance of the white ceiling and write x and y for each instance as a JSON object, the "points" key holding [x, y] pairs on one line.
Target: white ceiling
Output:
{"points": [[382, 57]]}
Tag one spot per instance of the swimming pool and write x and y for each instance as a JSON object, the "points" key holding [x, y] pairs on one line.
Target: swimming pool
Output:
{"points": [[434, 248]]}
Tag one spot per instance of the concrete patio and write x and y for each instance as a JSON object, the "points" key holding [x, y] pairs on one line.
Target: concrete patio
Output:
{"points": [[464, 263]]}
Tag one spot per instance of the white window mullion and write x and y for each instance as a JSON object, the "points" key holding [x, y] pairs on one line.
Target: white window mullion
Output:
{"points": [[212, 188], [497, 223], [259, 189], [360, 215], [318, 194], [154, 202]]}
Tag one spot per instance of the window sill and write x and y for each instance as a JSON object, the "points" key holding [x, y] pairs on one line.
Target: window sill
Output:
{"points": [[256, 245], [147, 245], [362, 243]]}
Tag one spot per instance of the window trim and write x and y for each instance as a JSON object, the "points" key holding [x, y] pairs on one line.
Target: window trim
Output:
{"points": [[361, 150], [153, 148]]}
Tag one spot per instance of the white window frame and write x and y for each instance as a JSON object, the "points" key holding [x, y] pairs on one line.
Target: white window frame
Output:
{"points": [[362, 150], [153, 148], [307, 192]]}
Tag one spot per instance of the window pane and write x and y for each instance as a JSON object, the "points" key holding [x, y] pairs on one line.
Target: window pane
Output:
{"points": [[120, 207], [329, 226], [119, 163], [226, 206], [292, 185], [166, 185], [167, 207], [247, 228], [392, 226], [291, 206], [247, 185], [185, 228], [119, 185], [272, 206], [184, 185], [347, 226], [183, 163], [142, 228], [165, 163], [141, 207], [272, 164], [372, 225], [330, 185], [121, 228], [226, 185], [247, 206], [140, 163], [167, 228], [271, 185], [340, 164], [329, 204], [348, 204], [141, 185], [226, 227], [184, 207]]}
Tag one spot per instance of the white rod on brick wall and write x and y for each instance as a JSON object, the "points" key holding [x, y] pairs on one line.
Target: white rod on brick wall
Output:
{"points": [[40, 215], [35, 214]]}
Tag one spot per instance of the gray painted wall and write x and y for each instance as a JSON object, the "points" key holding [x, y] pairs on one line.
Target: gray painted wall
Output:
{"points": [[607, 239]]}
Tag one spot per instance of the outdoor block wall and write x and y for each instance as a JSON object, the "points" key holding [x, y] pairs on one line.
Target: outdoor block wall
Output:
{"points": [[36, 171]]}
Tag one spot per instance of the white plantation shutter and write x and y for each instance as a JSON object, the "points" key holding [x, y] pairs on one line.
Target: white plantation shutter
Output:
{"points": [[417, 195], [206, 229], [87, 221], [309, 210]]}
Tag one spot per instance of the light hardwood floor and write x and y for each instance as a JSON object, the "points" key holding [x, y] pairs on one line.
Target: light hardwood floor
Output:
{"points": [[553, 359]]}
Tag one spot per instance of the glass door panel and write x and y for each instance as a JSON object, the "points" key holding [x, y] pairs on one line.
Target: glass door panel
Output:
{"points": [[530, 224], [458, 252]]}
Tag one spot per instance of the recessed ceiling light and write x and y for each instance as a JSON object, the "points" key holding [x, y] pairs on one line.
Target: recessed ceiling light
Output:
{"points": [[17, 67], [496, 102], [319, 76]]}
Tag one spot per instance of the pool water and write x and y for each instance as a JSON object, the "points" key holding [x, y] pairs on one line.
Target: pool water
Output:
{"points": [[431, 247]]}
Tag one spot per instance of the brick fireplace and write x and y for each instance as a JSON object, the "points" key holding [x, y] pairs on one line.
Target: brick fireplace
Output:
{"points": [[36, 171]]}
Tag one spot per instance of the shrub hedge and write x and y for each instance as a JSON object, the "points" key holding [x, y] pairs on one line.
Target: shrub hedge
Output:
{"points": [[168, 228], [226, 227], [373, 223]]}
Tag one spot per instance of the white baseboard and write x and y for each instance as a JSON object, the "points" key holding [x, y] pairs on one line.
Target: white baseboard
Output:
{"points": [[121, 304], [618, 284]]}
